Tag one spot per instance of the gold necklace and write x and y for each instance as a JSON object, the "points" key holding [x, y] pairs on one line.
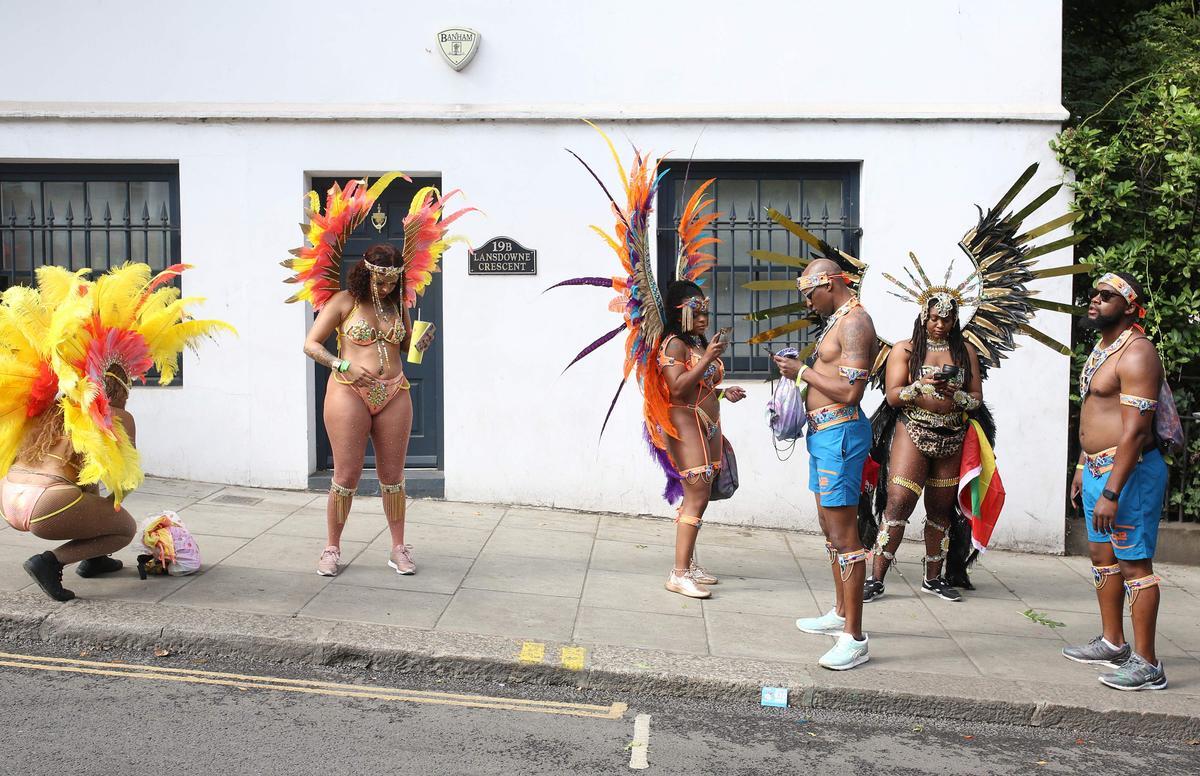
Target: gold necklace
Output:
{"points": [[937, 346]]}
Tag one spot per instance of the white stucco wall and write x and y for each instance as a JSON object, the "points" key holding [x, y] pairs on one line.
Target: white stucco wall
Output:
{"points": [[918, 99]]}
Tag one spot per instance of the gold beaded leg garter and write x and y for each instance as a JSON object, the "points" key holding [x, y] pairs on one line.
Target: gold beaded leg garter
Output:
{"points": [[340, 498], [393, 501]]}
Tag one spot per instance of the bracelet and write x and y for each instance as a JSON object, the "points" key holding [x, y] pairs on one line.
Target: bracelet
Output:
{"points": [[966, 400], [343, 365], [720, 394], [800, 375], [1078, 467]]}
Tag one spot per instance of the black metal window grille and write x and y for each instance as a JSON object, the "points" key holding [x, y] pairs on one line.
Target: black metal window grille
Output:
{"points": [[822, 197], [87, 215]]}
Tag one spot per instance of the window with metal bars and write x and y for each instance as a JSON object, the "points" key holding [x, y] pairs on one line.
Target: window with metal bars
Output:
{"points": [[87, 215], [822, 197]]}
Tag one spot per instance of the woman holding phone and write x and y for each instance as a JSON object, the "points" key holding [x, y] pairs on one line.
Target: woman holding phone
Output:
{"points": [[932, 381], [692, 369]]}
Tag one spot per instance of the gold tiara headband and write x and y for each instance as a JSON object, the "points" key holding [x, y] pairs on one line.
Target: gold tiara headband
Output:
{"points": [[942, 297], [387, 273]]}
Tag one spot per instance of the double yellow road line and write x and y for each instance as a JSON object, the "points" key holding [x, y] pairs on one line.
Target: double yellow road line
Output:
{"points": [[306, 686]]}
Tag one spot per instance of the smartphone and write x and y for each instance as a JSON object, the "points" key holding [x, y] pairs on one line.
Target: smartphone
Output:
{"points": [[724, 332], [947, 372]]}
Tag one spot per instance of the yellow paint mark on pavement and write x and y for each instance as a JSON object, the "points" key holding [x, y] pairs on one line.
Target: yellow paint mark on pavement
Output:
{"points": [[532, 652], [573, 658], [311, 687]]}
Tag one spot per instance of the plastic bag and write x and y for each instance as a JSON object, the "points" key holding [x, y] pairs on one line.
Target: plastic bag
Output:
{"points": [[165, 546], [785, 412]]}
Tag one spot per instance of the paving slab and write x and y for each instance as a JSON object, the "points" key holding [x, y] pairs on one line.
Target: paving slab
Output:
{"points": [[281, 552], [650, 630], [433, 539], [377, 605], [228, 521], [636, 593], [518, 615], [633, 557], [760, 636], [550, 520], [310, 522], [637, 530], [513, 574], [535, 543], [248, 589], [451, 513], [435, 573]]}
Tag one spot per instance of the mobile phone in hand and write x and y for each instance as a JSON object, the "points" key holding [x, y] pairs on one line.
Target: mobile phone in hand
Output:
{"points": [[724, 332]]}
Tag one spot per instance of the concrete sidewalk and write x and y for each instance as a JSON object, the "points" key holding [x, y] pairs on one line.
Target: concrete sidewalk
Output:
{"points": [[495, 583]]}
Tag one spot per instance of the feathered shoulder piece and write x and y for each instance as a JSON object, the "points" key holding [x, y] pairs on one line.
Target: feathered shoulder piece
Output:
{"points": [[133, 320], [318, 263], [29, 332], [426, 239], [639, 300]]}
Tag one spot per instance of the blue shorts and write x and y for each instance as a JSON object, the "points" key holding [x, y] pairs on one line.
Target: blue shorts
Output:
{"points": [[836, 456], [1139, 508]]}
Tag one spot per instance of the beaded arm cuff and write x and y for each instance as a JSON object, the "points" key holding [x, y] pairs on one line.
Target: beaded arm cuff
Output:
{"points": [[966, 400], [1139, 403], [853, 374]]}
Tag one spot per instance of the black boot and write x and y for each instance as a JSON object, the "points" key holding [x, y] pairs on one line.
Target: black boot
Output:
{"points": [[47, 572], [105, 564]]}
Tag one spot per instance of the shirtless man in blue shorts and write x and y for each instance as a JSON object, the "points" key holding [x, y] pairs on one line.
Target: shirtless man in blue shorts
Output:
{"points": [[1122, 479], [839, 439]]}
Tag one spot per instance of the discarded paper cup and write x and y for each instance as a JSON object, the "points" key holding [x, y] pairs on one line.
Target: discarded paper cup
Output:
{"points": [[420, 329]]}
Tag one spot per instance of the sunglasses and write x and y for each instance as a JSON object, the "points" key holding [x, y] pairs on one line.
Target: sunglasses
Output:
{"points": [[1105, 295]]}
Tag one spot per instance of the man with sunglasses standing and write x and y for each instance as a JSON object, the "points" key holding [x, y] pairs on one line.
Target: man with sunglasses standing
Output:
{"points": [[839, 440], [1122, 479]]}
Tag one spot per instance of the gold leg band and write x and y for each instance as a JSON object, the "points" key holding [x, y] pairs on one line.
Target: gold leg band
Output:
{"points": [[941, 482], [691, 520], [393, 501], [341, 498], [904, 482]]}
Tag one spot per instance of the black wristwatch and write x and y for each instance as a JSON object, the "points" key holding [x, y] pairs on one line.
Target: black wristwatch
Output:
{"points": [[1108, 494]]}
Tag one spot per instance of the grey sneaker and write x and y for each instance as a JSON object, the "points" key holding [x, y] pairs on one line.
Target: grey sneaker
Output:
{"points": [[1097, 651], [401, 559], [1136, 674]]}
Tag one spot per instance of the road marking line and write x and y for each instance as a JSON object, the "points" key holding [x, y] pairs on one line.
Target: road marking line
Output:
{"points": [[639, 750], [532, 652], [613, 711], [573, 658]]}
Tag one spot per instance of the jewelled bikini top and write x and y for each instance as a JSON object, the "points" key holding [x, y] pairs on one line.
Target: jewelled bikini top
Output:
{"points": [[712, 376], [362, 333], [953, 382]]}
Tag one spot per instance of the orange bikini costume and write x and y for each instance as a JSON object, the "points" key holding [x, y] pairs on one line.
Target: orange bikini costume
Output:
{"points": [[381, 392], [705, 425]]}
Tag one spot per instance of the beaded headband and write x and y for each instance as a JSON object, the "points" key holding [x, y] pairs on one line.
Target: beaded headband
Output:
{"points": [[1124, 289], [387, 273], [805, 282], [696, 304]]}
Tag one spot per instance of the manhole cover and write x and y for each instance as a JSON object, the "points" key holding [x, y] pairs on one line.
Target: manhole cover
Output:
{"points": [[242, 501]]}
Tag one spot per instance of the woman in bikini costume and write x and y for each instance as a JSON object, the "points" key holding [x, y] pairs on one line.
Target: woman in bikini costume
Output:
{"points": [[39, 494], [367, 396], [692, 369], [933, 380]]}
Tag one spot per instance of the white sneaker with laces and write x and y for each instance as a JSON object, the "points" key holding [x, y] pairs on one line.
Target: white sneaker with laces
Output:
{"points": [[846, 653], [828, 624]]}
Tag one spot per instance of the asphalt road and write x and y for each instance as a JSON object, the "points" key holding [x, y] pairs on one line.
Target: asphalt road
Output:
{"points": [[174, 714]]}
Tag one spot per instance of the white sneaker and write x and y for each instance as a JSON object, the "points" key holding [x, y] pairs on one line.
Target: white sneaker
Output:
{"points": [[828, 624], [327, 565], [846, 653]]}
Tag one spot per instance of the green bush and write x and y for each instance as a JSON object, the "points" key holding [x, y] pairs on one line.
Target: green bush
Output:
{"points": [[1136, 164]]}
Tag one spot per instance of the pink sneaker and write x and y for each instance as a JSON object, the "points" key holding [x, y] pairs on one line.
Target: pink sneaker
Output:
{"points": [[401, 559], [327, 566]]}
